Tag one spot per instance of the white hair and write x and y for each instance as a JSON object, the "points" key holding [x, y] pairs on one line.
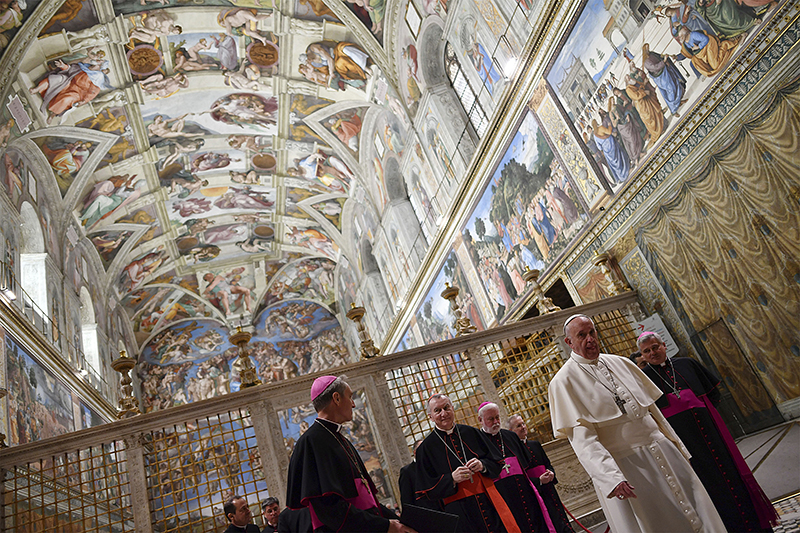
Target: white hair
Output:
{"points": [[485, 407]]}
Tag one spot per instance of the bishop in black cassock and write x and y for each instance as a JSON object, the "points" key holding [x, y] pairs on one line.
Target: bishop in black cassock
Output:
{"points": [[407, 483], [513, 484], [455, 467], [690, 395], [326, 473], [543, 476]]}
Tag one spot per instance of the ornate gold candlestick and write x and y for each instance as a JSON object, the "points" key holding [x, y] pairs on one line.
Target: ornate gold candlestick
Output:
{"points": [[368, 349], [128, 406], [615, 285], [247, 371], [543, 303], [462, 324]]}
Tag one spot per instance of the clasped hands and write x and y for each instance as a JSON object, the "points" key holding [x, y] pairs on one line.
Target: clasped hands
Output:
{"points": [[463, 473]]}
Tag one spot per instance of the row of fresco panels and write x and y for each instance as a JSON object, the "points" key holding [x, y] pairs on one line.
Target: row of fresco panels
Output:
{"points": [[39, 404], [611, 94]]}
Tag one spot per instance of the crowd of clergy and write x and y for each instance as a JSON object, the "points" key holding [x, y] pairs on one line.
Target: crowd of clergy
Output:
{"points": [[649, 436]]}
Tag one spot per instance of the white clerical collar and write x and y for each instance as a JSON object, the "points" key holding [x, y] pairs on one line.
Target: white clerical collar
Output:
{"points": [[336, 427], [583, 360], [489, 432], [448, 431]]}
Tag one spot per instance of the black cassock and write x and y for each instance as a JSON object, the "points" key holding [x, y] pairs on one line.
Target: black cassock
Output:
{"points": [[516, 489], [548, 491], [436, 461], [734, 491], [295, 521], [407, 483], [323, 473]]}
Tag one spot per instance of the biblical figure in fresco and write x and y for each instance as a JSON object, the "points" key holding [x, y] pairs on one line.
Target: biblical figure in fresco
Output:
{"points": [[336, 65], [69, 85]]}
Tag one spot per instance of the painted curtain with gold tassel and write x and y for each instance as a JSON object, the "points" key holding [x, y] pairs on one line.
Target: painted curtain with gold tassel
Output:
{"points": [[728, 246]]}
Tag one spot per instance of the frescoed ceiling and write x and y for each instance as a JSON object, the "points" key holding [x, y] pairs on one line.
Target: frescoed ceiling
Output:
{"points": [[208, 150]]}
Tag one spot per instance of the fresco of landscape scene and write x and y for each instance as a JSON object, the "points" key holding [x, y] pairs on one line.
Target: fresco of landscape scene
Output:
{"points": [[525, 218], [624, 85], [296, 420], [39, 405], [527, 215], [293, 337]]}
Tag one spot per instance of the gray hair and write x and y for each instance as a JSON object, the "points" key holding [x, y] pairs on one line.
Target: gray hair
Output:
{"points": [[573, 317], [436, 397], [272, 500], [649, 335], [510, 421], [337, 385]]}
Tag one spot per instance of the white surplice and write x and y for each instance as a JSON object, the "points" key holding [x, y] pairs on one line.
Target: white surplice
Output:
{"points": [[639, 447]]}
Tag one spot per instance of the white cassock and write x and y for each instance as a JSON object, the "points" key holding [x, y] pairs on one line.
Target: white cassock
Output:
{"points": [[639, 447]]}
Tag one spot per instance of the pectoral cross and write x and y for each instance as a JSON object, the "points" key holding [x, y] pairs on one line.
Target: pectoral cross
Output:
{"points": [[506, 467], [678, 394], [620, 403]]}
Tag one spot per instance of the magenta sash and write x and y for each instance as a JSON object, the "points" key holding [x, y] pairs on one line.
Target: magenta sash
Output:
{"points": [[516, 470], [364, 500], [687, 401], [536, 471], [767, 516]]}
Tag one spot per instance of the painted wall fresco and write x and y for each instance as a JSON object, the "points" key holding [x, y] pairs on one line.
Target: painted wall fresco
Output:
{"points": [[89, 417], [66, 157], [14, 175], [526, 216], [433, 319], [193, 360], [360, 431], [336, 65], [371, 13], [39, 405], [109, 196], [12, 15], [313, 10], [623, 80], [310, 279], [109, 243], [200, 466]]}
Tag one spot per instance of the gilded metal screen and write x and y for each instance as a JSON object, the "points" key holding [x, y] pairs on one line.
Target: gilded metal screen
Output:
{"points": [[521, 370], [192, 468], [615, 332], [81, 492], [412, 385]]}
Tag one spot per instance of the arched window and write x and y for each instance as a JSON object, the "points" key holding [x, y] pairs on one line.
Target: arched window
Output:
{"points": [[91, 350], [32, 260], [467, 96]]}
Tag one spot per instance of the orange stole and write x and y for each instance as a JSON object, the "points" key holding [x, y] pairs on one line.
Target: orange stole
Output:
{"points": [[479, 485]]}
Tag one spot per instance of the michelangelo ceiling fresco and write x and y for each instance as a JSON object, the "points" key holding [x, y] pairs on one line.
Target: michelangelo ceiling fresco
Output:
{"points": [[200, 167]]}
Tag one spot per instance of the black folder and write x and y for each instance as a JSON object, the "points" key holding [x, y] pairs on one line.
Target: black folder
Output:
{"points": [[427, 520]]}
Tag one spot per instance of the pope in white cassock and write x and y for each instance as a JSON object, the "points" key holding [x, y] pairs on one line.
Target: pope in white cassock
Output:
{"points": [[605, 406]]}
